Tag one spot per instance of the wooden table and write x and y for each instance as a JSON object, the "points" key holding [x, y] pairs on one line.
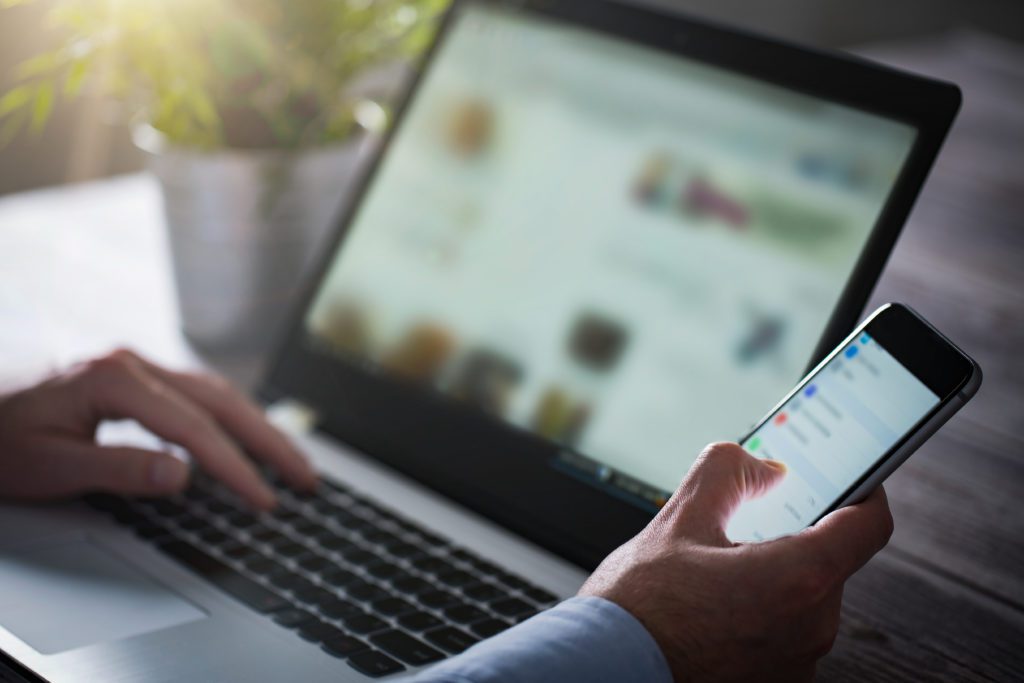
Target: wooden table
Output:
{"points": [[85, 268]]}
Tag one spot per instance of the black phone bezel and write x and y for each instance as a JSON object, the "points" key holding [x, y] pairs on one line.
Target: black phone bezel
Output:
{"points": [[924, 351], [500, 471]]}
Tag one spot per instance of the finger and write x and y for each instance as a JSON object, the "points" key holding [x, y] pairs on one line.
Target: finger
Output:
{"points": [[846, 539], [62, 467], [723, 476], [117, 387], [243, 420]]}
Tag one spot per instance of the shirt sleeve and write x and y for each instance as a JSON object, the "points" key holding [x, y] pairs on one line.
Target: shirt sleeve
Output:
{"points": [[586, 639]]}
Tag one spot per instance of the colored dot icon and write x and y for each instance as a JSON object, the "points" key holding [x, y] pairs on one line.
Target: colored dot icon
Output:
{"points": [[851, 352], [810, 391], [780, 419], [754, 444]]}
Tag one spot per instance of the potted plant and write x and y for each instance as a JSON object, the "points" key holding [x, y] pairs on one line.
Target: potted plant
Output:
{"points": [[249, 116]]}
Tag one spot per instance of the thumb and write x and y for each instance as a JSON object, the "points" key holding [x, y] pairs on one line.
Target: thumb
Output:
{"points": [[79, 467], [723, 476]]}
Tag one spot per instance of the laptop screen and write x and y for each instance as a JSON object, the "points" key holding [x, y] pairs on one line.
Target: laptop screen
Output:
{"points": [[621, 250]]}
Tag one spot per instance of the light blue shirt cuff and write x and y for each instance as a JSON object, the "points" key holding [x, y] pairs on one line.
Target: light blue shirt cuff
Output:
{"points": [[585, 639]]}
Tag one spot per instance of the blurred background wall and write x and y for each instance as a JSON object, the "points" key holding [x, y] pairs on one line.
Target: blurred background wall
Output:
{"points": [[86, 140]]}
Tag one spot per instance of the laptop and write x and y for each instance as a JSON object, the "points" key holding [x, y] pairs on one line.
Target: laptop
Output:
{"points": [[596, 237]]}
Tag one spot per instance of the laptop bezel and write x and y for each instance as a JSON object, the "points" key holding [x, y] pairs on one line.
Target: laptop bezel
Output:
{"points": [[504, 472]]}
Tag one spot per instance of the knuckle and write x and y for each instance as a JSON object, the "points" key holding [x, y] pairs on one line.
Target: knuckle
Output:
{"points": [[122, 356], [723, 450], [823, 641], [219, 384], [818, 578], [112, 366], [887, 526]]}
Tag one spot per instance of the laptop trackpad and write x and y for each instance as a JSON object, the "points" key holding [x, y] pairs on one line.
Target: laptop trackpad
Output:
{"points": [[70, 592]]}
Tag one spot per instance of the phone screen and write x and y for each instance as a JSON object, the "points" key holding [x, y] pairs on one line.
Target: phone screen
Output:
{"points": [[829, 434]]}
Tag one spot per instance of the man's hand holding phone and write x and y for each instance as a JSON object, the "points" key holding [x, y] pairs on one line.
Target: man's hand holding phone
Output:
{"points": [[731, 611]]}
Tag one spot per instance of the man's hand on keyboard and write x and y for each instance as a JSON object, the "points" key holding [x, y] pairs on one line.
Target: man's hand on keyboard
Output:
{"points": [[48, 447], [726, 611]]}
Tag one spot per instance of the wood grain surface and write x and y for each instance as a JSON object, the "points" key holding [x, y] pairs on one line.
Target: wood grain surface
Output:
{"points": [[945, 601]]}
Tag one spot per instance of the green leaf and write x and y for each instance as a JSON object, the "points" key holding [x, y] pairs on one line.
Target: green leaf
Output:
{"points": [[11, 127], [77, 72], [15, 98], [42, 106], [37, 65]]}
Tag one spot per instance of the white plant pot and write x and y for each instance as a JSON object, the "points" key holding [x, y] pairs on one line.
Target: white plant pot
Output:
{"points": [[244, 227]]}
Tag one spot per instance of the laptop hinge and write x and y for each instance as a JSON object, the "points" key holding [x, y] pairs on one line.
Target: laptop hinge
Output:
{"points": [[292, 417]]}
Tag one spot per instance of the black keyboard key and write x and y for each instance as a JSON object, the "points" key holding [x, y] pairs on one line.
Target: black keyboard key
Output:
{"points": [[463, 555], [151, 531], [289, 549], [315, 563], [305, 528], [484, 592], [406, 648], [195, 494], [214, 536], [429, 539], [379, 536], [289, 580], [436, 599], [487, 567], [512, 607], [343, 646], [192, 523], [465, 614], [374, 663], [132, 518], [540, 596], [324, 507], [411, 585], [292, 617], [386, 571], [403, 550], [457, 578], [391, 607], [166, 508], [313, 595], [359, 556], [419, 621], [339, 577], [262, 534], [333, 543], [241, 520], [489, 627], [224, 577], [286, 517], [351, 522], [238, 552], [319, 631], [364, 623], [339, 609], [262, 565], [431, 564], [364, 591], [218, 507], [449, 638], [512, 581]]}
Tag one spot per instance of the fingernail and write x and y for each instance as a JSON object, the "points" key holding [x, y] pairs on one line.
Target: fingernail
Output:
{"points": [[780, 466], [167, 473]]}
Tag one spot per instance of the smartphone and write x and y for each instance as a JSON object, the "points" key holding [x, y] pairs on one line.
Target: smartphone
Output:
{"points": [[854, 419]]}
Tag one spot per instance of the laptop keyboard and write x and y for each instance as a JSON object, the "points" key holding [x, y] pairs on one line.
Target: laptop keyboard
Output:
{"points": [[364, 583]]}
